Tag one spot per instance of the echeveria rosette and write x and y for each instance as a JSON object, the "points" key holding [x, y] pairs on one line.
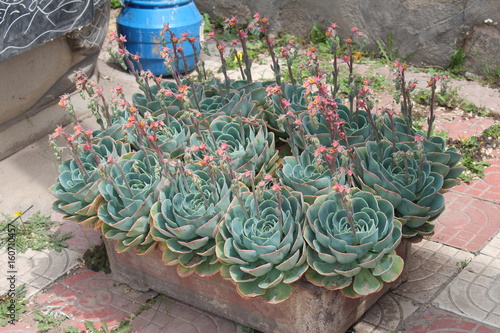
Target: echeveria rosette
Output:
{"points": [[129, 190], [444, 160], [261, 245], [357, 129], [307, 174], [296, 95], [185, 219], [403, 176], [78, 194], [173, 136], [357, 266], [250, 146]]}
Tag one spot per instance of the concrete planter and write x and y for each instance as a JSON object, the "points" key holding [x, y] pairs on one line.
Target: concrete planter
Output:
{"points": [[309, 309]]}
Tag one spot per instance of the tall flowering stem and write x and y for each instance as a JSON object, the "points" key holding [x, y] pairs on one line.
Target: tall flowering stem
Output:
{"points": [[261, 24], [403, 91], [246, 73], [365, 101], [243, 36], [125, 59], [347, 204], [432, 83], [289, 53], [220, 49], [333, 42]]}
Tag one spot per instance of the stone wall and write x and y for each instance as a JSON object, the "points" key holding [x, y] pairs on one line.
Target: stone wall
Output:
{"points": [[431, 30]]}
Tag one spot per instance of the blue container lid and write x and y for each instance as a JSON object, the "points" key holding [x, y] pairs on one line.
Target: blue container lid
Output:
{"points": [[157, 3]]}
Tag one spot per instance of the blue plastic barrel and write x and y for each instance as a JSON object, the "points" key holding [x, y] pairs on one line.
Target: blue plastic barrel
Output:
{"points": [[142, 21]]}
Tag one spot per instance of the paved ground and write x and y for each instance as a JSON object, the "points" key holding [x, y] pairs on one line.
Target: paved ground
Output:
{"points": [[454, 283]]}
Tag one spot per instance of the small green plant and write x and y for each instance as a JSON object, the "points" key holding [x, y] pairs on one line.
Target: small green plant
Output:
{"points": [[246, 329], [105, 329], [471, 149], [35, 233], [115, 4], [457, 61], [492, 75], [49, 318], [96, 258], [12, 304], [463, 263], [448, 98], [387, 51], [493, 131]]}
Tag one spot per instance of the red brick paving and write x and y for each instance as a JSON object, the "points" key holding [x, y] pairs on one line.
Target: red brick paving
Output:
{"points": [[438, 321], [487, 188], [467, 223], [94, 296]]}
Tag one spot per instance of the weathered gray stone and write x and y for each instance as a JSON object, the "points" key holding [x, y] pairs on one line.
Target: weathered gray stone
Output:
{"points": [[482, 46], [430, 30]]}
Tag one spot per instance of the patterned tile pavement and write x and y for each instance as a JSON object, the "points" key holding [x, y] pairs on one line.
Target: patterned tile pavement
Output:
{"points": [[95, 296], [468, 222], [475, 292], [37, 269]]}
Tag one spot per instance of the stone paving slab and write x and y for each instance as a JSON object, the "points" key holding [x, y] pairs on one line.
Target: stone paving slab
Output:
{"points": [[475, 292], [387, 314], [468, 222], [37, 269], [432, 266]]}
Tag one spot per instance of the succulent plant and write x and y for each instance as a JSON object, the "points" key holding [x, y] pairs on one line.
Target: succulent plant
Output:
{"points": [[306, 173], [296, 95], [357, 129], [242, 98], [77, 194], [260, 243], [251, 147], [351, 243], [172, 137], [403, 176], [444, 160], [130, 189], [186, 216]]}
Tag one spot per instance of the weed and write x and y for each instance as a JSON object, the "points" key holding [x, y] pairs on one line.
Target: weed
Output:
{"points": [[448, 98], [387, 51], [207, 23], [457, 62], [474, 149], [104, 328], [463, 263], [49, 318], [34, 233], [96, 258], [246, 329], [12, 305], [492, 75], [493, 131], [115, 4]]}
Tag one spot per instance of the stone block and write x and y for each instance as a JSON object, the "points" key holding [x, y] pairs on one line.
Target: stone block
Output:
{"points": [[309, 309]]}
